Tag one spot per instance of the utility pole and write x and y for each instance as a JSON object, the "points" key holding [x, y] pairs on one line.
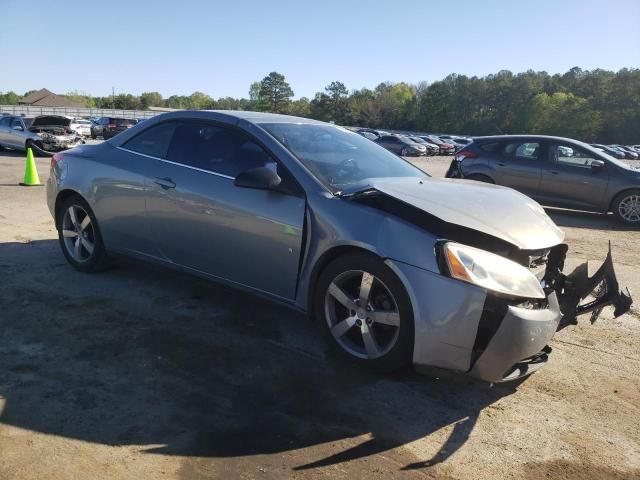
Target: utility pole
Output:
{"points": [[113, 97]]}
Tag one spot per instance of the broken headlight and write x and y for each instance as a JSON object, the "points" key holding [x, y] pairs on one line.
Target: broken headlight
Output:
{"points": [[490, 271]]}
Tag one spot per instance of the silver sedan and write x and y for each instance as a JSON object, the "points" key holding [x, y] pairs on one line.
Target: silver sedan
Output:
{"points": [[396, 267]]}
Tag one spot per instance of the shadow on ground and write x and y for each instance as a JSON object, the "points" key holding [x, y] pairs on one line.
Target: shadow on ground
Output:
{"points": [[144, 356]]}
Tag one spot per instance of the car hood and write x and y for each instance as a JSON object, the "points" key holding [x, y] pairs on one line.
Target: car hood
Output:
{"points": [[497, 211], [51, 121]]}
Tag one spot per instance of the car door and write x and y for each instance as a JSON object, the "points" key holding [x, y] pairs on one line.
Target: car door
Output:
{"points": [[569, 180], [201, 220], [518, 166], [16, 135], [4, 129]]}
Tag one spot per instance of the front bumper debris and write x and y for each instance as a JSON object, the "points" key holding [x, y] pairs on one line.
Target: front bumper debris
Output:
{"points": [[573, 289]]}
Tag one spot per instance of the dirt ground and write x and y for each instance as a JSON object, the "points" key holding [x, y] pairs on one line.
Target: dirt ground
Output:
{"points": [[140, 372]]}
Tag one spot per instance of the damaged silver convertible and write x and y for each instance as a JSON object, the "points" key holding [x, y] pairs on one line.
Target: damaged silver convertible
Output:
{"points": [[45, 134], [395, 266]]}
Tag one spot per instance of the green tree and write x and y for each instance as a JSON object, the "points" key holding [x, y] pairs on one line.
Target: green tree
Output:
{"points": [[9, 98], [337, 93], [275, 93], [151, 99]]}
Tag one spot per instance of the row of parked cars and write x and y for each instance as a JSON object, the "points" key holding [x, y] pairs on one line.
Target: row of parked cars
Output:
{"points": [[406, 144], [621, 152], [47, 134]]}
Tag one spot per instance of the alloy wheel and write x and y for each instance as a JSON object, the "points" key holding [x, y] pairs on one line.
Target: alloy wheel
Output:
{"points": [[78, 233], [362, 314], [629, 208]]}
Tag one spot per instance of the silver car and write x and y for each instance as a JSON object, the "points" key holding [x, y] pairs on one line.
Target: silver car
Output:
{"points": [[45, 134], [395, 266]]}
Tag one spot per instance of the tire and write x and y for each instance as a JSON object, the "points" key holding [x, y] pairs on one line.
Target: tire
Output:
{"points": [[82, 258], [626, 207], [346, 327], [479, 178]]}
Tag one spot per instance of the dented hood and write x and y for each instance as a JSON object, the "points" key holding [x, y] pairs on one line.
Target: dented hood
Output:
{"points": [[498, 211]]}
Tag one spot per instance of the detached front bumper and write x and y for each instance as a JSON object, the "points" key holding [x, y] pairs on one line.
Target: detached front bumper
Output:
{"points": [[462, 327]]}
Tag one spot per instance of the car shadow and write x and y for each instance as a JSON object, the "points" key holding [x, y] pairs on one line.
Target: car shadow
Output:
{"points": [[580, 219], [140, 355]]}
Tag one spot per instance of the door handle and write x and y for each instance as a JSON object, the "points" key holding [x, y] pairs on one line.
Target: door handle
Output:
{"points": [[501, 164], [555, 172], [166, 183]]}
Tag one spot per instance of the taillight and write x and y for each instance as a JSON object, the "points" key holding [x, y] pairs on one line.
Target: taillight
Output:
{"points": [[462, 154], [111, 125], [55, 159]]}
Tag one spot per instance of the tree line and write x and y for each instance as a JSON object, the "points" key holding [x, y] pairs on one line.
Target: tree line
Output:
{"points": [[595, 106]]}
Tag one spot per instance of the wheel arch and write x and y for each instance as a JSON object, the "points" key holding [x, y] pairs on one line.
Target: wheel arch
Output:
{"points": [[62, 197], [617, 194], [325, 259]]}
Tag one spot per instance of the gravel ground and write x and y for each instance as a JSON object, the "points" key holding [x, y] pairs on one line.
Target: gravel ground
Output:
{"points": [[140, 372]]}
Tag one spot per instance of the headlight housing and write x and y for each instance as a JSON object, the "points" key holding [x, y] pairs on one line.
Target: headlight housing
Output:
{"points": [[490, 271]]}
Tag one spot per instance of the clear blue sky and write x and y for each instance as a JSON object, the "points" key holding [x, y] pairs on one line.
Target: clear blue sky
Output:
{"points": [[220, 47]]}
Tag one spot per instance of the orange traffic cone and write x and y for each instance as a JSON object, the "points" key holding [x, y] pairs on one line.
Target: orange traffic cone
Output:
{"points": [[31, 178]]}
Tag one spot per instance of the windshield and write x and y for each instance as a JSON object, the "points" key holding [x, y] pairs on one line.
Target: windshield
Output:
{"points": [[337, 156]]}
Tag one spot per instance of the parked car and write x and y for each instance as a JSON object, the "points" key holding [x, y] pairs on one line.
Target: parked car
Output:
{"points": [[456, 146], [629, 153], [610, 151], [81, 126], [368, 135], [445, 148], [44, 134], [395, 266], [107, 127], [432, 149], [539, 167], [371, 131], [401, 145]]}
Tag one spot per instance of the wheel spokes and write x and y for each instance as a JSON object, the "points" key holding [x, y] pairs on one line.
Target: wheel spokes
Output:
{"points": [[77, 248], [85, 222], [337, 293], [69, 233], [365, 288], [73, 217], [340, 328], [369, 340], [386, 317], [87, 245]]}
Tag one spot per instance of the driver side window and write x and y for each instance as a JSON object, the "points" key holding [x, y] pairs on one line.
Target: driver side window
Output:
{"points": [[571, 155]]}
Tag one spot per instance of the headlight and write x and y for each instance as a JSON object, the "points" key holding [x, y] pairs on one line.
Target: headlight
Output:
{"points": [[490, 271]]}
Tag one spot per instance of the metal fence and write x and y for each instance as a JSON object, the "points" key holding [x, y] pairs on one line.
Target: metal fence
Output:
{"points": [[75, 112]]}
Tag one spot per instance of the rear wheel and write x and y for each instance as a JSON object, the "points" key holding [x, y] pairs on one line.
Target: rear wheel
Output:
{"points": [[365, 311], [479, 178], [626, 207], [79, 236]]}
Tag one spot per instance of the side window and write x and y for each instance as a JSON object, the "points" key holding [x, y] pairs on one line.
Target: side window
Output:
{"points": [[571, 155], [4, 122], [16, 123], [493, 147], [153, 141], [521, 151], [216, 149]]}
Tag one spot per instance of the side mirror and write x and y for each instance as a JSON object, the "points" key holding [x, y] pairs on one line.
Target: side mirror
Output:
{"points": [[262, 178], [18, 127], [597, 165]]}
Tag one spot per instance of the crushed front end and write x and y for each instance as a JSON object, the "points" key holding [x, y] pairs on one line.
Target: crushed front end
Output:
{"points": [[512, 337]]}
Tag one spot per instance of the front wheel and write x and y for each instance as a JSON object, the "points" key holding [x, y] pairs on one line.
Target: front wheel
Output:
{"points": [[626, 207], [365, 311], [79, 236]]}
